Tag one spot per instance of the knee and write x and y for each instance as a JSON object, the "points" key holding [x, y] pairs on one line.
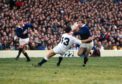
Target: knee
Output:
{"points": [[51, 53], [79, 54]]}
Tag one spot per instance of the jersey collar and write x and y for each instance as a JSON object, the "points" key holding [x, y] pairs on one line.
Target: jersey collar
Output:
{"points": [[83, 25]]}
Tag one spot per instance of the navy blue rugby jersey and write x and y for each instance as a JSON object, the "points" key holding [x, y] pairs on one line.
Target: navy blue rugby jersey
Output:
{"points": [[84, 32], [20, 30]]}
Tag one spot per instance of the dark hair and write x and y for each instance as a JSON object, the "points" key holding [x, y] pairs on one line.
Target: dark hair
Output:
{"points": [[67, 29]]}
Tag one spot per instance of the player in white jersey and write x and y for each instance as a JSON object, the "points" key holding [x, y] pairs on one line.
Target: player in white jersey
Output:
{"points": [[67, 40]]}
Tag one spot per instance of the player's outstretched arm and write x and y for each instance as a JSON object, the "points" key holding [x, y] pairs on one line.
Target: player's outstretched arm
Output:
{"points": [[29, 25], [88, 40]]}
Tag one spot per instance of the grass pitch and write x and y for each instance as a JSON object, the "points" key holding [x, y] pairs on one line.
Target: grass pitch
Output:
{"points": [[98, 71]]}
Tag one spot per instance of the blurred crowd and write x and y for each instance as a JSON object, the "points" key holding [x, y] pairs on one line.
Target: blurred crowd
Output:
{"points": [[49, 17]]}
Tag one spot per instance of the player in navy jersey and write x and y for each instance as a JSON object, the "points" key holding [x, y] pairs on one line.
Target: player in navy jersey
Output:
{"points": [[22, 31], [84, 33]]}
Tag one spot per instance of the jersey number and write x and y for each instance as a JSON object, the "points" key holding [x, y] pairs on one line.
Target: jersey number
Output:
{"points": [[65, 41]]}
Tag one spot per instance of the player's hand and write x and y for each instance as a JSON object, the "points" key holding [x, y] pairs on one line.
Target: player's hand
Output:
{"points": [[75, 27], [93, 37], [36, 32]]}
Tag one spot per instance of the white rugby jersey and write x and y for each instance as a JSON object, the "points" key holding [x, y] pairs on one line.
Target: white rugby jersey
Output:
{"points": [[67, 41]]}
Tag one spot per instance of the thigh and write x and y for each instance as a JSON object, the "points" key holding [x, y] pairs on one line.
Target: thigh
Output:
{"points": [[59, 50], [81, 51], [23, 41], [87, 51], [50, 54], [89, 45], [84, 49]]}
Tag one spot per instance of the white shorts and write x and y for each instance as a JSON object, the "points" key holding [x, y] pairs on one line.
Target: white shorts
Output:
{"points": [[59, 50], [23, 41], [87, 45]]}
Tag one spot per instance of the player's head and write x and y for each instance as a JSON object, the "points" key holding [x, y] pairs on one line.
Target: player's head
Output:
{"points": [[21, 22], [68, 29], [81, 22]]}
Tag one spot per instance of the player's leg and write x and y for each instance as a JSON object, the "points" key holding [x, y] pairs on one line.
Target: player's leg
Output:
{"points": [[50, 54], [25, 54], [24, 43], [87, 52], [19, 52], [20, 48], [59, 60], [83, 53], [85, 56]]}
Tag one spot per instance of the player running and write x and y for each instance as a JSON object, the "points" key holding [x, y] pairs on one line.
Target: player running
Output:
{"points": [[84, 33], [67, 40], [22, 31]]}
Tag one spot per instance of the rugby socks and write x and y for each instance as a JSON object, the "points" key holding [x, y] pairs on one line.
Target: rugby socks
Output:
{"points": [[59, 61], [85, 60], [44, 60], [20, 51], [27, 57]]}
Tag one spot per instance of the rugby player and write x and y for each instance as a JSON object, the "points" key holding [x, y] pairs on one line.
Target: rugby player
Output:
{"points": [[22, 31]]}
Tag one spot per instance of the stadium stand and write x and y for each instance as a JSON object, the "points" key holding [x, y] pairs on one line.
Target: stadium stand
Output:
{"points": [[49, 17]]}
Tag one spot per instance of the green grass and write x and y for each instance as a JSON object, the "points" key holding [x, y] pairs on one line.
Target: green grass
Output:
{"points": [[98, 71]]}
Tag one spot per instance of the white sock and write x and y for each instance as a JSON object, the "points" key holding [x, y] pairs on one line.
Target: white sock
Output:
{"points": [[45, 58]]}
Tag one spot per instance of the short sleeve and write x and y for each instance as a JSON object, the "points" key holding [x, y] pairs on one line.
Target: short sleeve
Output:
{"points": [[76, 41]]}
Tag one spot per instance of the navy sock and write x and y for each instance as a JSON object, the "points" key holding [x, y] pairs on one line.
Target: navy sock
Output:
{"points": [[20, 51], [85, 59], [59, 61], [26, 55], [42, 62]]}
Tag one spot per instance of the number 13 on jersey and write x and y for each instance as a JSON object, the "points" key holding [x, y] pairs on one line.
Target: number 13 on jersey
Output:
{"points": [[65, 41]]}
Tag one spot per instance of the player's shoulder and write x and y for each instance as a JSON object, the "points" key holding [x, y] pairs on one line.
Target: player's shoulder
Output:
{"points": [[28, 25], [17, 28], [86, 26], [66, 35]]}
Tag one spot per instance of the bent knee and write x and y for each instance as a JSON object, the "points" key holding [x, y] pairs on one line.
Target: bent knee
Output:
{"points": [[79, 54]]}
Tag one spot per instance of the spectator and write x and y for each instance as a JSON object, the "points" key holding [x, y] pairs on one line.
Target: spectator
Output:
{"points": [[12, 3], [19, 4], [49, 17]]}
